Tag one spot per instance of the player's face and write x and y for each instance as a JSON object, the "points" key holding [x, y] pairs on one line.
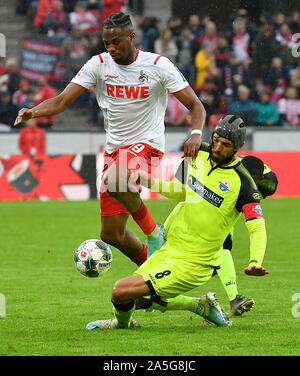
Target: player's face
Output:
{"points": [[222, 149], [119, 44]]}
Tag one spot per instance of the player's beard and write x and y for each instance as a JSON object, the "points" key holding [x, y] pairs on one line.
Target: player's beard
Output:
{"points": [[220, 160]]}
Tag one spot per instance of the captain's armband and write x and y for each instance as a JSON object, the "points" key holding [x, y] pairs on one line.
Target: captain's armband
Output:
{"points": [[252, 210]]}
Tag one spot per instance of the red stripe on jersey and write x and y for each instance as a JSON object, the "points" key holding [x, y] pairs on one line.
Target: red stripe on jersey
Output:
{"points": [[156, 60], [101, 58], [85, 88], [252, 210], [137, 54]]}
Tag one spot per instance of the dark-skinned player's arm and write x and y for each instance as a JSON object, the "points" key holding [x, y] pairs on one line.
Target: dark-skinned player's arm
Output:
{"points": [[52, 106], [190, 100], [175, 188]]}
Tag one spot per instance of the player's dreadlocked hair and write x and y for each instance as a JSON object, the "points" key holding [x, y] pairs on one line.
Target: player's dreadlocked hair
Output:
{"points": [[117, 20]]}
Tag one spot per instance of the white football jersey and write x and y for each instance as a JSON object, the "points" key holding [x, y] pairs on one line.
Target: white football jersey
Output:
{"points": [[133, 97]]}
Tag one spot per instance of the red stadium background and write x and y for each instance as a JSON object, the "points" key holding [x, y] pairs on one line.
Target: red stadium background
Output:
{"points": [[76, 176], [286, 166]]}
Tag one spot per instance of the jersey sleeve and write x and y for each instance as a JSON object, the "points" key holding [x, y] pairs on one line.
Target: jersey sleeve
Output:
{"points": [[174, 189], [172, 79], [267, 186], [248, 200], [86, 76], [258, 241], [171, 189], [181, 173]]}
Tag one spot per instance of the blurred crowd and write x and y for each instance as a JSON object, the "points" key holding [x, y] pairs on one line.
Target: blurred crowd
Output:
{"points": [[246, 68]]}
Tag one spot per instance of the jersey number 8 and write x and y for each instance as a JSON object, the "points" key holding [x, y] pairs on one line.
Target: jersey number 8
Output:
{"points": [[163, 274]]}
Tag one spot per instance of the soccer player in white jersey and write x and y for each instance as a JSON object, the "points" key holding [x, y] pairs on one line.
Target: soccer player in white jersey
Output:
{"points": [[131, 89]]}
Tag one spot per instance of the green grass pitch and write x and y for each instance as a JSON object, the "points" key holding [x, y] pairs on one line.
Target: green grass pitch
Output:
{"points": [[48, 302]]}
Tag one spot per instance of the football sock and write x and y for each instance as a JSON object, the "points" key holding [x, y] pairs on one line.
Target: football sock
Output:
{"points": [[144, 220], [141, 258], [227, 275], [155, 233], [180, 302], [123, 314]]}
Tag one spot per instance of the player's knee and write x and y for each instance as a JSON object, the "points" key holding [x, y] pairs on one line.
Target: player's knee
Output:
{"points": [[121, 292], [129, 288]]}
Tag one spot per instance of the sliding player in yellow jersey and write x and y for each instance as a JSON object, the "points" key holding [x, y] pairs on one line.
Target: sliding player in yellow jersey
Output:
{"points": [[196, 229]]}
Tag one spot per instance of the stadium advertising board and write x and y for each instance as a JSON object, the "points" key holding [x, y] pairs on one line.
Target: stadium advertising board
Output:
{"points": [[78, 176], [45, 177]]}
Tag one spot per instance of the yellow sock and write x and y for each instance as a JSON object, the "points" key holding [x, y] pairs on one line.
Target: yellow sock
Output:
{"points": [[227, 275], [178, 303], [123, 315]]}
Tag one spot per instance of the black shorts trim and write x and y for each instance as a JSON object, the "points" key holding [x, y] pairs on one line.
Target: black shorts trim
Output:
{"points": [[154, 297], [228, 243]]}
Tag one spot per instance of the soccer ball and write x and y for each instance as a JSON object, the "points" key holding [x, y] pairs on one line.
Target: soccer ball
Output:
{"points": [[93, 258]]}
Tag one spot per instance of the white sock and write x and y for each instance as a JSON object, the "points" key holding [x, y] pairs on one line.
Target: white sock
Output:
{"points": [[155, 233]]}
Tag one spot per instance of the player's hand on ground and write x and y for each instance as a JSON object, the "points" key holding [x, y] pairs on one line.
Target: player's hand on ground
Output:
{"points": [[23, 115], [192, 146], [256, 270], [141, 177]]}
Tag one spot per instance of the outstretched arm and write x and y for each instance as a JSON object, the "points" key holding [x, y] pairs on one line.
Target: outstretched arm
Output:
{"points": [[190, 100], [173, 189], [52, 106], [258, 241]]}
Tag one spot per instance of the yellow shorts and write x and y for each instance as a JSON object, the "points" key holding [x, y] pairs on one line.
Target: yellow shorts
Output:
{"points": [[168, 276]]}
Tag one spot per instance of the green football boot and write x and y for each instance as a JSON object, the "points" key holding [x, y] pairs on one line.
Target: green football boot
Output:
{"points": [[211, 311]]}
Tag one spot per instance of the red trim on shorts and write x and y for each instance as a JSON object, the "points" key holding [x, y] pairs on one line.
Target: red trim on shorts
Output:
{"points": [[178, 91], [138, 52], [108, 213], [156, 60], [75, 83], [101, 58]]}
